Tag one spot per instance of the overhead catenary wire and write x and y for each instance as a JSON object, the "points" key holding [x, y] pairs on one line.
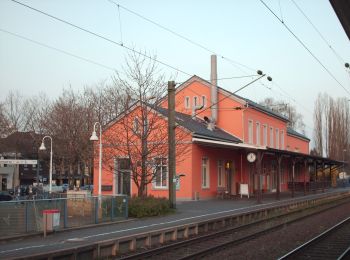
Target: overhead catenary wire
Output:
{"points": [[231, 61], [120, 21], [339, 58], [103, 38], [111, 41], [60, 50], [305, 47], [231, 94]]}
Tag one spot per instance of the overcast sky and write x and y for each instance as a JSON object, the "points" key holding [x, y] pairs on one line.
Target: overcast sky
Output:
{"points": [[243, 31]]}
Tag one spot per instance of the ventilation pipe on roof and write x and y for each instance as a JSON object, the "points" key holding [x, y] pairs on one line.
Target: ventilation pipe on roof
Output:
{"points": [[214, 90]]}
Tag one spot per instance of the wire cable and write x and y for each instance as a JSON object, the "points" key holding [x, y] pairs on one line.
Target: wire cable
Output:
{"points": [[120, 23], [59, 50], [231, 94], [102, 37], [181, 36], [305, 47], [340, 59]]}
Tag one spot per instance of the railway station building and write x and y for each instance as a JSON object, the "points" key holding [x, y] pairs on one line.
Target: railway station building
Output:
{"points": [[225, 145]]}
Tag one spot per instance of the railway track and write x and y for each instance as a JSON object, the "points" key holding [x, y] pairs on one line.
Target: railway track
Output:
{"points": [[209, 244], [334, 243]]}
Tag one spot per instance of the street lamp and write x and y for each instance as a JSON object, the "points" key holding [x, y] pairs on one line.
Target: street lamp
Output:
{"points": [[42, 148], [344, 151], [95, 138]]}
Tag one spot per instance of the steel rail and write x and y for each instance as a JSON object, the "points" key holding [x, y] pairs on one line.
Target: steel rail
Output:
{"points": [[156, 252], [317, 239]]}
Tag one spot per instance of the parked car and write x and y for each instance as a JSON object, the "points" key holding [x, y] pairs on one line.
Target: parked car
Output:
{"points": [[5, 196], [88, 187], [65, 186]]}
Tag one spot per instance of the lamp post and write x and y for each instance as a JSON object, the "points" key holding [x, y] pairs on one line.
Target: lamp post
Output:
{"points": [[95, 138], [42, 148], [344, 151]]}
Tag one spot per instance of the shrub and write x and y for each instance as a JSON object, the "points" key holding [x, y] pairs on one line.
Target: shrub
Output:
{"points": [[148, 206]]}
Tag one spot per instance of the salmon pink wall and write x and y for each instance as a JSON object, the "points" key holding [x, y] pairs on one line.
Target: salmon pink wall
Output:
{"points": [[264, 119], [117, 130], [183, 166], [213, 155], [229, 119], [296, 144]]}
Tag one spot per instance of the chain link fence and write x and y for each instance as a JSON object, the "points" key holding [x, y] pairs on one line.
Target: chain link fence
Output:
{"points": [[26, 216]]}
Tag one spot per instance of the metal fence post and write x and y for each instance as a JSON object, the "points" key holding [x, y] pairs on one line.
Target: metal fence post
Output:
{"points": [[27, 215], [125, 200], [112, 209], [96, 209], [65, 213]]}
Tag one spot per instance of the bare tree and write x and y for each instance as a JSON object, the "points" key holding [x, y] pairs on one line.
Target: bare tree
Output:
{"points": [[332, 122], [318, 126], [295, 119], [140, 132]]}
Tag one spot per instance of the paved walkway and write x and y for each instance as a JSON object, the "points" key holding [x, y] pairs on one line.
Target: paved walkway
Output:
{"points": [[187, 212]]}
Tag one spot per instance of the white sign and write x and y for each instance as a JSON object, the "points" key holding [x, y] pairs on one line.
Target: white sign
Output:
{"points": [[9, 161], [251, 157], [243, 190]]}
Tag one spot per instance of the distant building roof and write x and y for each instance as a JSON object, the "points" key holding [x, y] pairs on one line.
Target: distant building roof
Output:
{"points": [[198, 127], [291, 131]]}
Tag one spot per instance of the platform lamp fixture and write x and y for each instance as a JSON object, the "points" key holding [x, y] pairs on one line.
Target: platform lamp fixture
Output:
{"points": [[95, 138], [43, 148]]}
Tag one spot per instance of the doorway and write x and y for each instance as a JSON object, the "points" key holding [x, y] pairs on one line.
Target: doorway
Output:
{"points": [[122, 176]]}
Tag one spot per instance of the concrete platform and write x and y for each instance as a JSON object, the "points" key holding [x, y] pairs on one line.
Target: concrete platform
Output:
{"points": [[187, 212]]}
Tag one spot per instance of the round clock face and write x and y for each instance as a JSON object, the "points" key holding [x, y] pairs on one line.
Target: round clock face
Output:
{"points": [[251, 157]]}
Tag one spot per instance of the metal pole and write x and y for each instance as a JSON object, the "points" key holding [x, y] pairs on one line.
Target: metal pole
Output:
{"points": [[171, 143], [50, 184], [100, 164]]}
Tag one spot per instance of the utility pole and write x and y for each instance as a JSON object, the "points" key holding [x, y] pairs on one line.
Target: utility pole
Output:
{"points": [[171, 143]]}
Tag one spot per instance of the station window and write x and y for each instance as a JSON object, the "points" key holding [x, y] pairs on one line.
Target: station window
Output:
{"points": [[136, 125], [277, 139], [221, 175], [265, 135], [271, 137], [187, 102], [258, 133], [282, 139], [195, 101], [250, 131], [204, 101], [205, 172], [161, 173]]}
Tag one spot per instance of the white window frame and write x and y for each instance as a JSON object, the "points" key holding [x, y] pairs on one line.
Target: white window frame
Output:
{"points": [[195, 101], [136, 125], [282, 139], [161, 165], [265, 128], [271, 137], [258, 134], [250, 131], [205, 174], [187, 102], [204, 101], [277, 135], [221, 174]]}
